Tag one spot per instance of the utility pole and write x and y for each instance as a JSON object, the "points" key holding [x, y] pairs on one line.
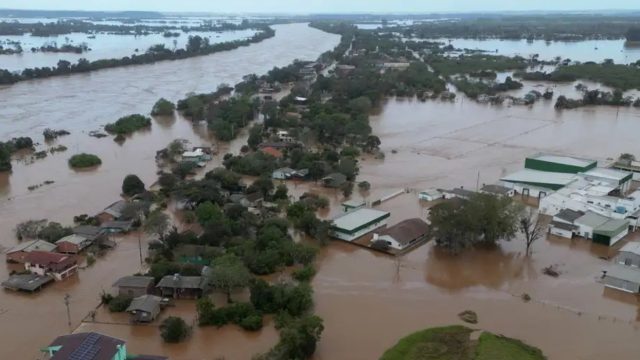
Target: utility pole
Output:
{"points": [[478, 182], [66, 303]]}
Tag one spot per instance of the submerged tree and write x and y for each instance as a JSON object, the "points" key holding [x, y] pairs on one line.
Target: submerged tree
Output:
{"points": [[229, 273], [532, 228]]}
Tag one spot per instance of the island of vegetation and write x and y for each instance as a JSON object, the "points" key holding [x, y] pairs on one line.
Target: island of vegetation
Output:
{"points": [[163, 107], [454, 342], [84, 160], [128, 124]]}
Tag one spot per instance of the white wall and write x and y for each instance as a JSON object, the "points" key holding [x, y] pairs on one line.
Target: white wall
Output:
{"points": [[356, 235]]}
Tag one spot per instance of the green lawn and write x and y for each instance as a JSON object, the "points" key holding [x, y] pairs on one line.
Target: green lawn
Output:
{"points": [[454, 343]]}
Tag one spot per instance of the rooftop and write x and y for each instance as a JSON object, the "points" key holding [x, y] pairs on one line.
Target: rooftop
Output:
{"points": [[624, 272], [592, 219], [561, 159], [632, 247], [612, 226], [356, 218], [540, 177], [85, 346], [46, 258], [406, 230], [496, 189], [607, 173], [116, 208], [32, 245], [354, 203], [569, 215], [146, 303], [87, 230], [73, 239], [182, 282], [26, 282], [563, 226], [134, 281]]}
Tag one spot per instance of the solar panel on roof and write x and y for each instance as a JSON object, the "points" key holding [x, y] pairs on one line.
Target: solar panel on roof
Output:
{"points": [[87, 349]]}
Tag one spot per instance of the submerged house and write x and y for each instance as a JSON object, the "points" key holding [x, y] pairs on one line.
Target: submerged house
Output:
{"points": [[18, 253], [430, 195], [334, 180], [73, 244], [26, 282], [91, 346], [185, 287], [403, 235], [134, 286], [145, 308], [59, 266], [112, 212], [563, 223], [624, 274]]}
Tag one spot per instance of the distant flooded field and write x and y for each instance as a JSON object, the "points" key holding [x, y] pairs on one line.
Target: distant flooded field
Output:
{"points": [[367, 300]]}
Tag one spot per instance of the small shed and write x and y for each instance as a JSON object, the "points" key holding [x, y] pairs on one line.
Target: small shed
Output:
{"points": [[629, 255], [134, 286], [430, 195], [623, 278], [145, 308], [112, 212], [353, 205], [562, 229], [498, 190]]}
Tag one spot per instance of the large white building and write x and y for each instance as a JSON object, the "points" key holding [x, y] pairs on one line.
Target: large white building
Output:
{"points": [[357, 223]]}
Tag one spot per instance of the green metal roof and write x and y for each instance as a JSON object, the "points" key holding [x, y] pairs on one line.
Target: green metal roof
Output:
{"points": [[612, 227]]}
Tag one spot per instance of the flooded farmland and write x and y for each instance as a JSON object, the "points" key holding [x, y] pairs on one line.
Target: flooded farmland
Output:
{"points": [[367, 300]]}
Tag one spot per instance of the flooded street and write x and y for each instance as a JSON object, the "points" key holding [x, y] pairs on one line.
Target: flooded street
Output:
{"points": [[367, 300], [81, 103]]}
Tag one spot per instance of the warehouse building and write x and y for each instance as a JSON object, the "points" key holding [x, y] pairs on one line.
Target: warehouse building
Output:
{"points": [[354, 224], [559, 164]]}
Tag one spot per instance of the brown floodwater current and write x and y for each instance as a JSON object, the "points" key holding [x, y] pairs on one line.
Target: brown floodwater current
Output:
{"points": [[367, 300]]}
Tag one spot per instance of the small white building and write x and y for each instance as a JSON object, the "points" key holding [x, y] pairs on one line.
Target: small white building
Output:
{"points": [[430, 195], [403, 235], [357, 223], [283, 173], [285, 137]]}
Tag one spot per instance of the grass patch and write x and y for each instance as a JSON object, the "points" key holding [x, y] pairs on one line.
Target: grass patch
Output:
{"points": [[454, 343], [84, 160], [494, 347]]}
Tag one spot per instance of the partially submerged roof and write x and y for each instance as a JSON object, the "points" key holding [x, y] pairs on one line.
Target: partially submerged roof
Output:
{"points": [[623, 272], [120, 225], [134, 281], [47, 258], [618, 176], [632, 247], [146, 303], [496, 189], [569, 215], [182, 282], [26, 282], [88, 231], [592, 219], [116, 208], [612, 227], [460, 192], [352, 220], [73, 239], [563, 226], [85, 346], [545, 179], [353, 203], [406, 231], [32, 245]]}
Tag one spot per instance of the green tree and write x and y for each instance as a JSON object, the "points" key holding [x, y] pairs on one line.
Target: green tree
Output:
{"points": [[174, 329], [229, 273], [163, 107], [157, 223], [207, 212], [132, 185], [84, 161]]}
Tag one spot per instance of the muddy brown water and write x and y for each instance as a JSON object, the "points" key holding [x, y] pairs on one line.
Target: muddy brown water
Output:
{"points": [[367, 300]]}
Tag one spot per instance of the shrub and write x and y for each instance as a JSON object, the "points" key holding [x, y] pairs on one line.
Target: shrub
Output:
{"points": [[132, 185], [119, 303], [305, 274], [174, 329], [84, 160], [163, 107], [128, 124], [252, 322]]}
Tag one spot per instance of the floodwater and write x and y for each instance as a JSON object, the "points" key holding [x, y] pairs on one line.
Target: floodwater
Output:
{"points": [[588, 50], [367, 300], [103, 46], [84, 102]]}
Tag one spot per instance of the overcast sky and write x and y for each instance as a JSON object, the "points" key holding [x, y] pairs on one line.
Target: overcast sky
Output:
{"points": [[321, 6]]}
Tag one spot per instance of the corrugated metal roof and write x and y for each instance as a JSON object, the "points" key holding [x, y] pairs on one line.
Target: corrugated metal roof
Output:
{"points": [[32, 245], [606, 173], [626, 273], [359, 217], [612, 227], [134, 281], [73, 239], [632, 247], [592, 219], [540, 177]]}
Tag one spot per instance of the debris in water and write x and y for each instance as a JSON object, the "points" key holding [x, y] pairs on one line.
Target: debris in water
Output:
{"points": [[551, 271], [469, 316]]}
